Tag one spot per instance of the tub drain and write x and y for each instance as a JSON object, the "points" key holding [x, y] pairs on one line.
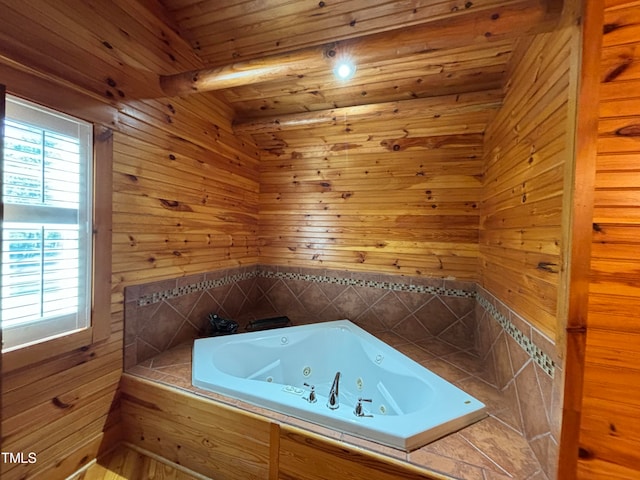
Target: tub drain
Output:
{"points": [[383, 409], [306, 371], [269, 379]]}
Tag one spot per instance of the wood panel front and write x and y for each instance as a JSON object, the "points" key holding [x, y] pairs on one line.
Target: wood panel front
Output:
{"points": [[218, 441], [305, 456], [228, 443]]}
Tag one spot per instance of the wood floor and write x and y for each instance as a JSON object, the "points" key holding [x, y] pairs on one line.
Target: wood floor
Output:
{"points": [[125, 463]]}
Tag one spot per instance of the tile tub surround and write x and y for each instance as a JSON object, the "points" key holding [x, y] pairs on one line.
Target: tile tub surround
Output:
{"points": [[487, 450], [426, 316], [526, 370], [415, 308], [159, 315]]}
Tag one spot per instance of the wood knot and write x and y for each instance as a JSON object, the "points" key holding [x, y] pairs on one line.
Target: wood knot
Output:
{"points": [[547, 267], [618, 70], [610, 27], [629, 131], [585, 454], [169, 203], [60, 404], [175, 205]]}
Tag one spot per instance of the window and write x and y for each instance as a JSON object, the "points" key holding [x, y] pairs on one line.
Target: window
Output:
{"points": [[47, 224]]}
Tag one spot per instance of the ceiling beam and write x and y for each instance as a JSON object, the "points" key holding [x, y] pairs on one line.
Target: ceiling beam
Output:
{"points": [[424, 107], [467, 27]]}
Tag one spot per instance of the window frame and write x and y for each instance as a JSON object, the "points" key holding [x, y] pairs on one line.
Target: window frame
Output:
{"points": [[99, 328], [45, 214]]}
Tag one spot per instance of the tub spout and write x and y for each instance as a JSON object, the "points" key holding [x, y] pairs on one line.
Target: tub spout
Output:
{"points": [[333, 401]]}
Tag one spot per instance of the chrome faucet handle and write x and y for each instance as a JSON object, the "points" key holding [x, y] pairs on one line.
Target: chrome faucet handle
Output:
{"points": [[312, 393], [359, 410], [333, 402]]}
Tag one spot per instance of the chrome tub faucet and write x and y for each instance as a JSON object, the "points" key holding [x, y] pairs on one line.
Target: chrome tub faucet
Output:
{"points": [[333, 402]]}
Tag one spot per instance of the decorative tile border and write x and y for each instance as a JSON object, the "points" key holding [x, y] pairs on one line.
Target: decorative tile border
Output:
{"points": [[354, 282], [230, 279], [194, 287], [538, 356]]}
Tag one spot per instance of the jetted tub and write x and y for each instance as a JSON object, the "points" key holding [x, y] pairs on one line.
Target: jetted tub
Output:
{"points": [[410, 406]]}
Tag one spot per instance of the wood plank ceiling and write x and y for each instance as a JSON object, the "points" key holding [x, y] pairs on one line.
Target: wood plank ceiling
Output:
{"points": [[404, 50]]}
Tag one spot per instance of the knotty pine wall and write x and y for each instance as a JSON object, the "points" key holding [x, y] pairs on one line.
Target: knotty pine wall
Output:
{"points": [[392, 194], [475, 195], [609, 437], [528, 162], [369, 197], [185, 196]]}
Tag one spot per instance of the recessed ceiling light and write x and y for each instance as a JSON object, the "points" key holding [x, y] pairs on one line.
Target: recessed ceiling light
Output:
{"points": [[344, 69]]}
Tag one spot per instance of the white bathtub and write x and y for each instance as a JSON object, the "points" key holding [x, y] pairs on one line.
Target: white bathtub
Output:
{"points": [[410, 405]]}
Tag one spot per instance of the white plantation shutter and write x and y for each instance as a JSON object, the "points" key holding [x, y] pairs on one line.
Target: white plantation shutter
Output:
{"points": [[46, 229]]}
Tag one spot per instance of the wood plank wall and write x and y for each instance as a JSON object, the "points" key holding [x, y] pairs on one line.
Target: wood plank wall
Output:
{"points": [[610, 425], [326, 199], [185, 193], [206, 436], [392, 194], [185, 199], [528, 154]]}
